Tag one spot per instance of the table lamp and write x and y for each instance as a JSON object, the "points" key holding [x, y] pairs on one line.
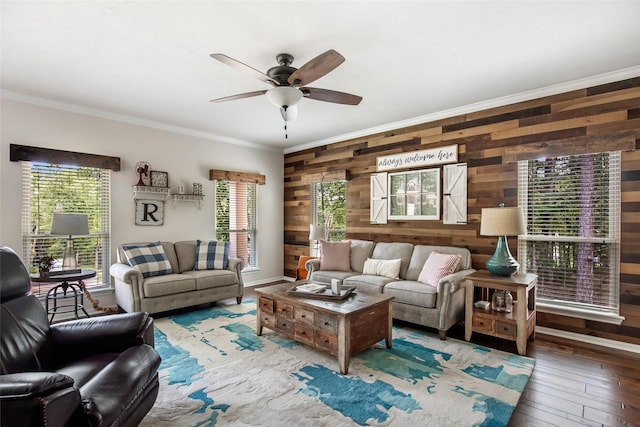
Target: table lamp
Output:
{"points": [[502, 222], [316, 233], [69, 224]]}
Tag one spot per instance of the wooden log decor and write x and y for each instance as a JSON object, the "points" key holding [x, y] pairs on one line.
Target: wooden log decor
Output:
{"points": [[220, 175], [49, 155]]}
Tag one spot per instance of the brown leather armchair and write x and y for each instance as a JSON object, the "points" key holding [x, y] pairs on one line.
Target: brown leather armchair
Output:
{"points": [[100, 371]]}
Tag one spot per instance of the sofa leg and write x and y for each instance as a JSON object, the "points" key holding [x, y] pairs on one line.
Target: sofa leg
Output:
{"points": [[443, 334], [239, 300]]}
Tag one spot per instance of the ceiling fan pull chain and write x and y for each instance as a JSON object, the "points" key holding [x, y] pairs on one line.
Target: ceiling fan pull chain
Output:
{"points": [[286, 135]]}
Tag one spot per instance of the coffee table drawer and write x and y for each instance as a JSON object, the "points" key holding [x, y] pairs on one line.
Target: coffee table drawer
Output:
{"points": [[284, 324], [284, 310], [327, 341], [268, 320], [303, 333], [304, 315], [327, 323], [266, 305]]}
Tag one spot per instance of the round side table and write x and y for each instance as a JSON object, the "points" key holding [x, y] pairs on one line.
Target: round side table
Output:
{"points": [[71, 287]]}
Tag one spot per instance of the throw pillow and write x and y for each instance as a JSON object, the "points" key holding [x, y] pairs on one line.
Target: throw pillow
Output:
{"points": [[382, 267], [212, 255], [149, 259], [335, 255], [437, 266]]}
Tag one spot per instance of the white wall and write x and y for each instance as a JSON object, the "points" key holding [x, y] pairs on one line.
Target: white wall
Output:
{"points": [[185, 158]]}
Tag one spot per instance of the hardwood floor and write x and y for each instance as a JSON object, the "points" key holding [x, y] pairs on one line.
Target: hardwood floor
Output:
{"points": [[572, 385]]}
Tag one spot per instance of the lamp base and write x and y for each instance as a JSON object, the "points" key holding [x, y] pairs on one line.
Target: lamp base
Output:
{"points": [[502, 263], [69, 261]]}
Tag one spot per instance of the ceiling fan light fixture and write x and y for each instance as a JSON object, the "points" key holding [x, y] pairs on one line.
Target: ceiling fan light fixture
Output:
{"points": [[282, 96], [289, 113]]}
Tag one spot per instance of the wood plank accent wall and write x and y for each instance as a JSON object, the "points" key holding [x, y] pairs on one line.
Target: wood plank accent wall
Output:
{"points": [[599, 118]]}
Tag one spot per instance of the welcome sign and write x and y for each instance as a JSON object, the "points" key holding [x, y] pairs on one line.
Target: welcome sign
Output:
{"points": [[434, 156]]}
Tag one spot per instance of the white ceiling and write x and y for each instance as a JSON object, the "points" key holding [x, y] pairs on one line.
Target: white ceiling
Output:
{"points": [[148, 62]]}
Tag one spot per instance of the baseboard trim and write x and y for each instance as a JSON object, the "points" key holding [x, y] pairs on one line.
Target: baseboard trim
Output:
{"points": [[633, 349]]}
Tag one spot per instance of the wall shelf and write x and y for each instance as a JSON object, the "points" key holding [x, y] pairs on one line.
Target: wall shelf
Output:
{"points": [[147, 192], [187, 198]]}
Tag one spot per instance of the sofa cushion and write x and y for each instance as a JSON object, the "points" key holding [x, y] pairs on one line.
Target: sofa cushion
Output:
{"points": [[360, 251], [382, 267], [335, 255], [211, 255], [325, 276], [149, 259], [422, 252], [437, 266], [367, 282], [386, 250], [412, 293], [169, 284], [206, 279]]}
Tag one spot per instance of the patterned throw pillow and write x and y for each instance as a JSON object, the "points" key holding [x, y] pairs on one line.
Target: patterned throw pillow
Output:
{"points": [[437, 266], [335, 256], [382, 267], [212, 255], [149, 259]]}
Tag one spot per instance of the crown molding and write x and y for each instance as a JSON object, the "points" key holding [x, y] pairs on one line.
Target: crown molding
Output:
{"points": [[586, 82]]}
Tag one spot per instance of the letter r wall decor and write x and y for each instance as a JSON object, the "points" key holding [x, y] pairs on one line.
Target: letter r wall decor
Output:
{"points": [[149, 212]]}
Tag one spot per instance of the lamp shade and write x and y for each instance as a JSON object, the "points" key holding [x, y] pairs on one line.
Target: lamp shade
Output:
{"points": [[316, 232], [501, 222], [281, 96], [70, 224]]}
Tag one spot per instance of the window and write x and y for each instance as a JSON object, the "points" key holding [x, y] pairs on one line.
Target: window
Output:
{"points": [[49, 188], [572, 209], [236, 219], [328, 207]]}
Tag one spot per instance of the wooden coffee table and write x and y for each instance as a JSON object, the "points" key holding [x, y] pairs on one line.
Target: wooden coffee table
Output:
{"points": [[341, 328]]}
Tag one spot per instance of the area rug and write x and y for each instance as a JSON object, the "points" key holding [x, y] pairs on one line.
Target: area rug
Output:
{"points": [[215, 371]]}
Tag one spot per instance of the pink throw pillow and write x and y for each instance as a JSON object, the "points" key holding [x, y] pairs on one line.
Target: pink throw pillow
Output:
{"points": [[335, 255], [437, 266]]}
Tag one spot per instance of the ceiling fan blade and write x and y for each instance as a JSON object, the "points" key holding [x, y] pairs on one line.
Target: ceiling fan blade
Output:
{"points": [[244, 68], [316, 68], [239, 96], [330, 96]]}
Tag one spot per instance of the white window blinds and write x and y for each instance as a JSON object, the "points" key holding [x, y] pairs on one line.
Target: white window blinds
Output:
{"points": [[49, 188], [236, 219], [572, 209]]}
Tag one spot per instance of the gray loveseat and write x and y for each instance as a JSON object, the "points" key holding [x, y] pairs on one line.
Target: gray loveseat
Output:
{"points": [[438, 307], [184, 287]]}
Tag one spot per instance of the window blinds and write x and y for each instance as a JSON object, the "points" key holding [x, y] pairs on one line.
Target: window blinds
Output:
{"points": [[572, 209], [236, 219], [49, 188]]}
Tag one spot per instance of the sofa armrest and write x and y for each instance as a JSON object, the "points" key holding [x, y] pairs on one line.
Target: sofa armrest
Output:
{"points": [[453, 282], [37, 398], [236, 265], [103, 334], [312, 265], [126, 274]]}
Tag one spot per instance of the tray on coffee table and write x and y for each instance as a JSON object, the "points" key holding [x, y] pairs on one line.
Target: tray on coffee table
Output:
{"points": [[322, 293]]}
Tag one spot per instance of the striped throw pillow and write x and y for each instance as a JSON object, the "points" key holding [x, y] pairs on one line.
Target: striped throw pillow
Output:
{"points": [[149, 259], [212, 255], [437, 266]]}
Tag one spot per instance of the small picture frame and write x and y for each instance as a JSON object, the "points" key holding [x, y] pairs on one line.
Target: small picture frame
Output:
{"points": [[159, 179]]}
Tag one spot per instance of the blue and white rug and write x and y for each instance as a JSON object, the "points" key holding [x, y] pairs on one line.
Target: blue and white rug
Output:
{"points": [[216, 372]]}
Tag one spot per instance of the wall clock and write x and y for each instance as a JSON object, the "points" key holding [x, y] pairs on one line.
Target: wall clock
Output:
{"points": [[159, 179]]}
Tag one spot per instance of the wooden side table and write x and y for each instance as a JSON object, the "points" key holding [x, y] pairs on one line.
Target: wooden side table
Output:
{"points": [[66, 290], [519, 325]]}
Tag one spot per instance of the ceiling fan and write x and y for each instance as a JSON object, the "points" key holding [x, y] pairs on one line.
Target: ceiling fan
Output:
{"points": [[289, 83]]}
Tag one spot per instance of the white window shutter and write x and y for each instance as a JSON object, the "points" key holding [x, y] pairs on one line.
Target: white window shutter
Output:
{"points": [[378, 205], [455, 194]]}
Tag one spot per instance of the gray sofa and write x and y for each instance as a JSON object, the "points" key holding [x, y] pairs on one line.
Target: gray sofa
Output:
{"points": [[438, 307], [184, 287]]}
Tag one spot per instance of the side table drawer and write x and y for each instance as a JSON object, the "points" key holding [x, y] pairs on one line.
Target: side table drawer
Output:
{"points": [[506, 328], [482, 324], [266, 305], [327, 323]]}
